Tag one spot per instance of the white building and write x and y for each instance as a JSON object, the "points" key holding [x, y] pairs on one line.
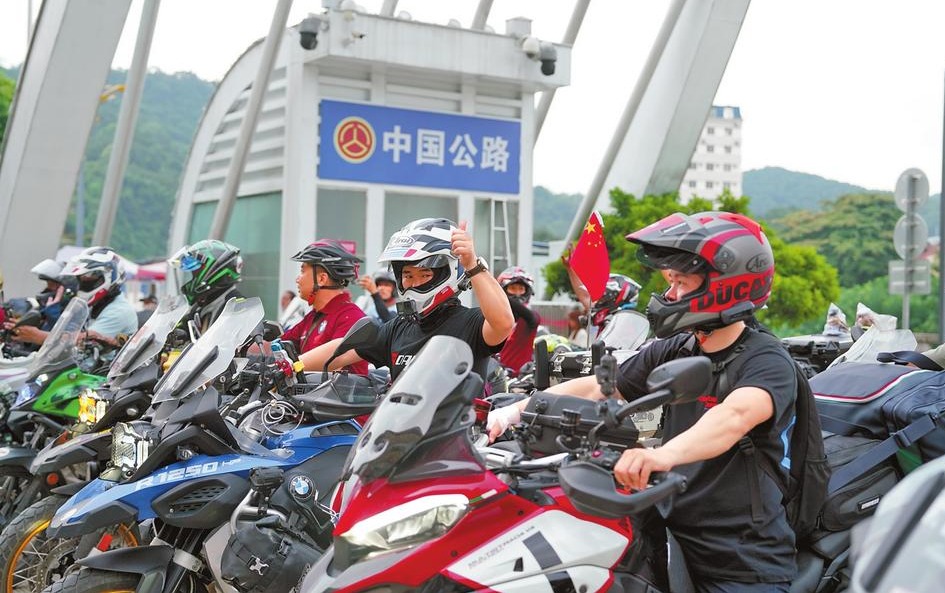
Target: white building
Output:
{"points": [[380, 121], [716, 164]]}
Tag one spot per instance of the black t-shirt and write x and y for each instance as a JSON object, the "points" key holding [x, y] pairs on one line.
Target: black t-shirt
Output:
{"points": [[712, 520], [400, 340]]}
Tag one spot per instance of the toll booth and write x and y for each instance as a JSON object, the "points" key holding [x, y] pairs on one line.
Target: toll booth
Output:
{"points": [[370, 122]]}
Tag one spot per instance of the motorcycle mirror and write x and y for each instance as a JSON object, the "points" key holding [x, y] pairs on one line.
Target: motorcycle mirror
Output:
{"points": [[675, 382], [362, 333], [542, 362], [30, 319]]}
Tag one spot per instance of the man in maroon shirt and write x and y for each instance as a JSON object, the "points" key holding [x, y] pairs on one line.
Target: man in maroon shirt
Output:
{"points": [[326, 269]]}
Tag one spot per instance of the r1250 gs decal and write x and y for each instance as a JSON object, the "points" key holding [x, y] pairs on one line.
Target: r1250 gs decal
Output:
{"points": [[174, 475]]}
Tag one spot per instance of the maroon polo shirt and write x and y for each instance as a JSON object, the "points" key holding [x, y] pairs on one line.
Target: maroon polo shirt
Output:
{"points": [[332, 321]]}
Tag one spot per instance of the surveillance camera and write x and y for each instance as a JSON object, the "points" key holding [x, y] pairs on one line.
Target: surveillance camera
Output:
{"points": [[548, 55], [308, 32], [532, 47]]}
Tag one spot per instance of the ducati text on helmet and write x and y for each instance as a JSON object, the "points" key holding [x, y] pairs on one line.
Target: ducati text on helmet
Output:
{"points": [[425, 243], [340, 264], [98, 272], [729, 250]]}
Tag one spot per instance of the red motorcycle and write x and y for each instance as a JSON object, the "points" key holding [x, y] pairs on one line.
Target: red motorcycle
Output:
{"points": [[424, 509]]}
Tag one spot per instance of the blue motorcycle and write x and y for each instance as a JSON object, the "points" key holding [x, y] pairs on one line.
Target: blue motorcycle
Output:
{"points": [[236, 509]]}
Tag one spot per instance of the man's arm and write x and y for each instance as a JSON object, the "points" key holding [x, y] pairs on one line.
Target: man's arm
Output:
{"points": [[580, 291], [521, 311], [493, 302], [714, 433], [383, 313]]}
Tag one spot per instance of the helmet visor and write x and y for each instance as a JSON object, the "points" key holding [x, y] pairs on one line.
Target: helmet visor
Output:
{"points": [[664, 258]]}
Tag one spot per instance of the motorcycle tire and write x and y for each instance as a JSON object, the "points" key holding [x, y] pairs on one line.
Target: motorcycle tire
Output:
{"points": [[29, 561], [87, 580]]}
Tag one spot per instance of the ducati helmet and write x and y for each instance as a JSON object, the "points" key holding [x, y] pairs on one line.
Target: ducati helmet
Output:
{"points": [[206, 269], [517, 274], [620, 292], [340, 264], [729, 250], [98, 272], [425, 243]]}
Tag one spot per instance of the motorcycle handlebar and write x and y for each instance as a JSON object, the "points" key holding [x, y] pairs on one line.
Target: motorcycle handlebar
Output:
{"points": [[591, 489]]}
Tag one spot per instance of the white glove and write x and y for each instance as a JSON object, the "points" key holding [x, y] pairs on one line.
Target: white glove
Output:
{"points": [[500, 419]]}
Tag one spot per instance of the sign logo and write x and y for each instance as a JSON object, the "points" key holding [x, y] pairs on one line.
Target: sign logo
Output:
{"points": [[354, 140]]}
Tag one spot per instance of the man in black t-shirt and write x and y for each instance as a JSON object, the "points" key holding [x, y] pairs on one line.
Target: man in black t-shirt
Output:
{"points": [[433, 260], [720, 268]]}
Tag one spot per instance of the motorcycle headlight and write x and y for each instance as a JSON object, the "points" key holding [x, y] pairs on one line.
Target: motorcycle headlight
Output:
{"points": [[129, 449], [91, 406], [404, 526]]}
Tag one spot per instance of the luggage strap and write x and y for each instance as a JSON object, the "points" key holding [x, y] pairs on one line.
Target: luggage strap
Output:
{"points": [[900, 439]]}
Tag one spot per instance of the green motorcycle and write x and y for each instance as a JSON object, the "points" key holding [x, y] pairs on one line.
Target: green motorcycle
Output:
{"points": [[55, 397]]}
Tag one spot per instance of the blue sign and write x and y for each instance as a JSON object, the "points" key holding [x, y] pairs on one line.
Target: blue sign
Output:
{"points": [[377, 144]]}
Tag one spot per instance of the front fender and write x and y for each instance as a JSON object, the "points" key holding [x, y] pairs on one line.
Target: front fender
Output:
{"points": [[151, 562], [83, 448], [19, 458]]}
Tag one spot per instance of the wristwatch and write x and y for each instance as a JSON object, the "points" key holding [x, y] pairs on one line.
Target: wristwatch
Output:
{"points": [[481, 266]]}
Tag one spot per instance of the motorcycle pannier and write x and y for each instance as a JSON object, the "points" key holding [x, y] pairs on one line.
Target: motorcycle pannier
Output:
{"points": [[857, 499], [896, 404]]}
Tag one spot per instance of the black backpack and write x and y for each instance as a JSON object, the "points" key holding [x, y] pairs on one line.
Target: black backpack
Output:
{"points": [[805, 492]]}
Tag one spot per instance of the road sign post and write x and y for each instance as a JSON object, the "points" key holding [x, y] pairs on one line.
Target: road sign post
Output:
{"points": [[910, 238]]}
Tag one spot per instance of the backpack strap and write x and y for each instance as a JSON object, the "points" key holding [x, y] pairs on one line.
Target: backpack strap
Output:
{"points": [[900, 439], [916, 359]]}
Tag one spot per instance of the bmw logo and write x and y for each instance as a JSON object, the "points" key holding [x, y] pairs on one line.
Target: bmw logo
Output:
{"points": [[301, 487]]}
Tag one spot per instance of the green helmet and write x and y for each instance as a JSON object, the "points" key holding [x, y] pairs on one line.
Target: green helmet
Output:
{"points": [[206, 269]]}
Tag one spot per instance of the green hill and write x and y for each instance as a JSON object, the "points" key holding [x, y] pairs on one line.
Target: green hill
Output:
{"points": [[774, 191]]}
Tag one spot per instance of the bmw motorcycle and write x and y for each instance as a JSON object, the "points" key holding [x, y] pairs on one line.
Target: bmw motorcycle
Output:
{"points": [[225, 508]]}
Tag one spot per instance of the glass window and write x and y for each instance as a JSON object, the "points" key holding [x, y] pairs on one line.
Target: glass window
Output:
{"points": [[728, 150], [501, 255], [710, 167], [341, 214], [727, 185], [710, 148], [256, 228], [728, 131], [692, 184], [726, 167], [709, 185], [710, 130]]}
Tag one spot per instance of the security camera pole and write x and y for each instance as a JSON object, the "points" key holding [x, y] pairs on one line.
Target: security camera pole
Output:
{"points": [[221, 218]]}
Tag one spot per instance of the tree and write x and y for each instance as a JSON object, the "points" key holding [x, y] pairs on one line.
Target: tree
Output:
{"points": [[804, 284], [853, 232], [6, 98]]}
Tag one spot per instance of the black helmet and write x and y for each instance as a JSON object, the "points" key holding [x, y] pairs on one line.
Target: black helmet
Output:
{"points": [[206, 269], [621, 292], [341, 264], [732, 252]]}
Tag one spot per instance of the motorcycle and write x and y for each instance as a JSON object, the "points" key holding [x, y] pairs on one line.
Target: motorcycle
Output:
{"points": [[30, 560], [424, 510], [215, 495], [44, 406]]}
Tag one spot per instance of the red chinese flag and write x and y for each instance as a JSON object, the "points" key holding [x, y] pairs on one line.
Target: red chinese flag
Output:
{"points": [[589, 260]]}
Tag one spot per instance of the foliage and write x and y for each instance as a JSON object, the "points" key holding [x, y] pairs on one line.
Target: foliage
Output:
{"points": [[553, 213], [774, 189], [804, 283], [7, 85], [854, 233]]}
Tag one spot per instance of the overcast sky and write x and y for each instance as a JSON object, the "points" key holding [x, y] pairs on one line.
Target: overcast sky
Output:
{"points": [[848, 89]]}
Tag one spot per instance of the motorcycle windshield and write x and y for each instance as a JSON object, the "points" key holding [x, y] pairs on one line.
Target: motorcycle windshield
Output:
{"points": [[211, 354], [59, 345], [626, 330], [150, 337], [874, 341], [430, 399]]}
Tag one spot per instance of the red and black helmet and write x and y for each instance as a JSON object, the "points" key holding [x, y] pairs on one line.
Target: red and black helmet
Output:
{"points": [[342, 265], [517, 274], [620, 292], [731, 251]]}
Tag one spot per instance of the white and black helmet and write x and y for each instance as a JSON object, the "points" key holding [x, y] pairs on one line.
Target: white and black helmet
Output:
{"points": [[425, 243], [100, 272]]}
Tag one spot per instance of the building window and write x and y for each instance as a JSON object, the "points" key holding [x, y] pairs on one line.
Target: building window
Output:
{"points": [[726, 167], [710, 148], [728, 131], [727, 185], [709, 185], [709, 167], [710, 130], [693, 184], [692, 166], [728, 150]]}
